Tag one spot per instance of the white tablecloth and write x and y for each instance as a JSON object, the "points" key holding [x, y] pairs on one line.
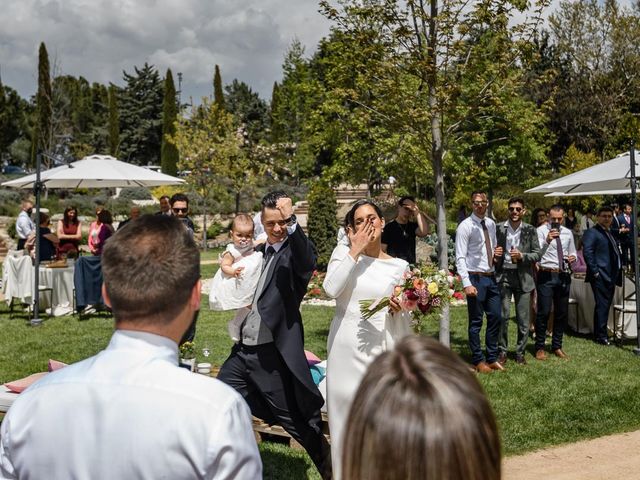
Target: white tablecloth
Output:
{"points": [[581, 315], [61, 281]]}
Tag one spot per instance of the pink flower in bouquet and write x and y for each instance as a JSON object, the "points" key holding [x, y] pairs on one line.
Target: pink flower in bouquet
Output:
{"points": [[411, 294], [407, 275], [397, 291], [436, 302], [458, 296], [408, 305], [418, 283]]}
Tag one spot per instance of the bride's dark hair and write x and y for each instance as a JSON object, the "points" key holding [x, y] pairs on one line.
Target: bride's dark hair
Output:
{"points": [[349, 220]]}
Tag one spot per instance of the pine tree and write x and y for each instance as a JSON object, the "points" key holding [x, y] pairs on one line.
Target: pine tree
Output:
{"points": [[322, 222], [43, 103], [114, 122], [273, 107], [218, 95], [169, 151]]}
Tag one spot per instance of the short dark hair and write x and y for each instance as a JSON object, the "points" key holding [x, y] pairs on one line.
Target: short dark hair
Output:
{"points": [[406, 197], [150, 269], [605, 208], [167, 197], [105, 217], [615, 205], [179, 197], [270, 200], [349, 219], [477, 192], [420, 413], [44, 218], [556, 207], [513, 200]]}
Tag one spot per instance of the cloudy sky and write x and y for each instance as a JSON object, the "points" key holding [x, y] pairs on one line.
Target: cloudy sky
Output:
{"points": [[98, 39]]}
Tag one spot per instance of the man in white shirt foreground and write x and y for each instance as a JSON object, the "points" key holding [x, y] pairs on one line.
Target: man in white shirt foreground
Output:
{"points": [[130, 411]]}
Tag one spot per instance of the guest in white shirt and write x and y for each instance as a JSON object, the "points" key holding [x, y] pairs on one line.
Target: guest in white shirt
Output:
{"points": [[476, 253], [557, 251], [130, 411], [24, 224]]}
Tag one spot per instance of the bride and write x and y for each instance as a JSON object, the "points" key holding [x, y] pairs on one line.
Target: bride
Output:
{"points": [[359, 271]]}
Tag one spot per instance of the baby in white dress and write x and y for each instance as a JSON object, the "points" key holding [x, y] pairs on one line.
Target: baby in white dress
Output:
{"points": [[234, 284]]}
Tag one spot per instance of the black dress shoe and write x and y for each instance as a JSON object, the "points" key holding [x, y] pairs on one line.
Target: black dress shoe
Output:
{"points": [[603, 341]]}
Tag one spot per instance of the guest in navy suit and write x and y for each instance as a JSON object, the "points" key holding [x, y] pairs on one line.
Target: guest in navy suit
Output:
{"points": [[604, 270], [627, 236]]}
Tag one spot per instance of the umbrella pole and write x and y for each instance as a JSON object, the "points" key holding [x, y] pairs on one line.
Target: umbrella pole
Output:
{"points": [[634, 249], [37, 187]]}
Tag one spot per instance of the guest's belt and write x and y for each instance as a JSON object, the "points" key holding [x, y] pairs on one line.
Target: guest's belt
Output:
{"points": [[483, 274], [553, 270]]}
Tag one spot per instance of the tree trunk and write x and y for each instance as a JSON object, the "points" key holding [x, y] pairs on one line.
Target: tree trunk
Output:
{"points": [[204, 224], [237, 203]]}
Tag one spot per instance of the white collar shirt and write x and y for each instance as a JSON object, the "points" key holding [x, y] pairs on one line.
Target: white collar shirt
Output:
{"points": [[129, 412], [550, 255], [24, 225], [513, 240], [471, 253]]}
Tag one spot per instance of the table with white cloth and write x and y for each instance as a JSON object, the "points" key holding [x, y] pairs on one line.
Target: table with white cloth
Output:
{"points": [[60, 280], [581, 316]]}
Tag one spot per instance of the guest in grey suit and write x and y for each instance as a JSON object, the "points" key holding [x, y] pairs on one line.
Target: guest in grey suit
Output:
{"points": [[519, 241]]}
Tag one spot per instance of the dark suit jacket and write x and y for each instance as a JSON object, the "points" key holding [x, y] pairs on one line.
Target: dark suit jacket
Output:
{"points": [[279, 308], [530, 249], [601, 256], [626, 237]]}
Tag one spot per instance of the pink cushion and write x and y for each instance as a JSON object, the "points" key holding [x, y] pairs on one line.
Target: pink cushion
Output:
{"points": [[18, 386], [55, 365], [312, 359]]}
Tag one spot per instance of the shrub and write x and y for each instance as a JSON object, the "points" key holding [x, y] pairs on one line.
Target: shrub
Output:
{"points": [[135, 193], [215, 229], [10, 202], [322, 223]]}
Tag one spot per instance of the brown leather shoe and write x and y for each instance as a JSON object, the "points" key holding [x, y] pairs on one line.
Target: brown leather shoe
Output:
{"points": [[502, 358], [482, 367], [497, 366], [560, 354], [540, 355], [520, 360]]}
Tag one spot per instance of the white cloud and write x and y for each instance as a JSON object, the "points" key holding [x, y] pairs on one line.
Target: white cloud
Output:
{"points": [[98, 39]]}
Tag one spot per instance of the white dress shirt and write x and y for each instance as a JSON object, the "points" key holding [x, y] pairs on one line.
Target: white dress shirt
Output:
{"points": [[513, 241], [550, 256], [24, 225], [471, 253], [129, 412]]}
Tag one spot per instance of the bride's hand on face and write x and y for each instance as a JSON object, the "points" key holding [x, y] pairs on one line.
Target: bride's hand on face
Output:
{"points": [[360, 239]]}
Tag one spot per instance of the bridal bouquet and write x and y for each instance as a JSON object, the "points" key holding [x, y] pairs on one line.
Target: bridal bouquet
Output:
{"points": [[424, 292]]}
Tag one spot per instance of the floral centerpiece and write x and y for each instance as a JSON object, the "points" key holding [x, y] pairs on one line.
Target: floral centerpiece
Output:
{"points": [[424, 291], [188, 355]]}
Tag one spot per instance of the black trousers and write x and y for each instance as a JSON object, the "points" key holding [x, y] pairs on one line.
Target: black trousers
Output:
{"points": [[260, 375], [552, 289], [603, 296]]}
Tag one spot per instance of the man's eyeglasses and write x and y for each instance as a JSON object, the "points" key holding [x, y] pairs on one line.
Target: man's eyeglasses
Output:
{"points": [[180, 210], [515, 209], [477, 204]]}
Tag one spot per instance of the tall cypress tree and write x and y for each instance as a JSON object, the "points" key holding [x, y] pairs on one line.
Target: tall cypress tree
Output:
{"points": [[114, 122], [169, 151], [276, 132], [218, 95], [43, 103]]}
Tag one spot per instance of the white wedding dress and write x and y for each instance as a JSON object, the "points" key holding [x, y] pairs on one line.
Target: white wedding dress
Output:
{"points": [[353, 342]]}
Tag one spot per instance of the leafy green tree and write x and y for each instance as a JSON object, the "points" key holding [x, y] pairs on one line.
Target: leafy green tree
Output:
{"points": [[44, 134], [218, 95], [248, 109], [13, 118], [114, 122], [141, 116], [322, 223], [169, 152]]}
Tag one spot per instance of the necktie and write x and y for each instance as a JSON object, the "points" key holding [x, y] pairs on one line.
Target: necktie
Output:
{"points": [[487, 243], [615, 247], [560, 254], [267, 256]]}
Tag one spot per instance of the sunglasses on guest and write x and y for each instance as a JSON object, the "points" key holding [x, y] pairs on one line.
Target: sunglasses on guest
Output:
{"points": [[180, 210], [515, 209]]}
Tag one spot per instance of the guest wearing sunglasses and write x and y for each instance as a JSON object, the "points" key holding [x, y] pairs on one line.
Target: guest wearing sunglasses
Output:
{"points": [[180, 208], [399, 235], [519, 242]]}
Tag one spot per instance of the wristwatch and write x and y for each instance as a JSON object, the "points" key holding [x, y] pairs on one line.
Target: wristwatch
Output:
{"points": [[291, 220]]}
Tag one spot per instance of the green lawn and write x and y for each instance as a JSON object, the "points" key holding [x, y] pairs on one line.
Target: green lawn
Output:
{"points": [[596, 393]]}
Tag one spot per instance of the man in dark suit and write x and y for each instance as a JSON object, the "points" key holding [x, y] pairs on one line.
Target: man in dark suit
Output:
{"points": [[627, 236], [604, 270], [519, 242], [268, 367]]}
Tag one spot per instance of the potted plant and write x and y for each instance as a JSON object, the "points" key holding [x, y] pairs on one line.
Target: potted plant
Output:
{"points": [[188, 355]]}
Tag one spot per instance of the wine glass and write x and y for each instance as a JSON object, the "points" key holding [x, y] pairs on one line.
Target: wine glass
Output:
{"points": [[206, 350]]}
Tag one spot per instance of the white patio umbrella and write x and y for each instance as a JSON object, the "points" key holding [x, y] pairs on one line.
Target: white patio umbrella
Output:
{"points": [[612, 177], [96, 171]]}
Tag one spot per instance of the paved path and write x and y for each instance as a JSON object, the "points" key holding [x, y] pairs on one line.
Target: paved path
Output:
{"points": [[614, 457]]}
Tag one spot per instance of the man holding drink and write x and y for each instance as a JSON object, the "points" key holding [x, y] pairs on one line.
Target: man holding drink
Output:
{"points": [[519, 241], [558, 252]]}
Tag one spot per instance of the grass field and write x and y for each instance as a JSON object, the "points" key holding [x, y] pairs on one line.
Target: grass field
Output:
{"points": [[595, 393]]}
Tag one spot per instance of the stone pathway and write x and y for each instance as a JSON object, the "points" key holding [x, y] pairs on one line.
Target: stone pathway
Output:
{"points": [[605, 458]]}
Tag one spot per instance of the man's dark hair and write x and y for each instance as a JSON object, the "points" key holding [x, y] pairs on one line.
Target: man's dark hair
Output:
{"points": [[477, 192], [513, 200], [150, 269], [406, 197], [167, 197], [605, 208], [270, 200], [349, 220], [179, 197], [556, 207], [614, 205], [627, 205]]}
